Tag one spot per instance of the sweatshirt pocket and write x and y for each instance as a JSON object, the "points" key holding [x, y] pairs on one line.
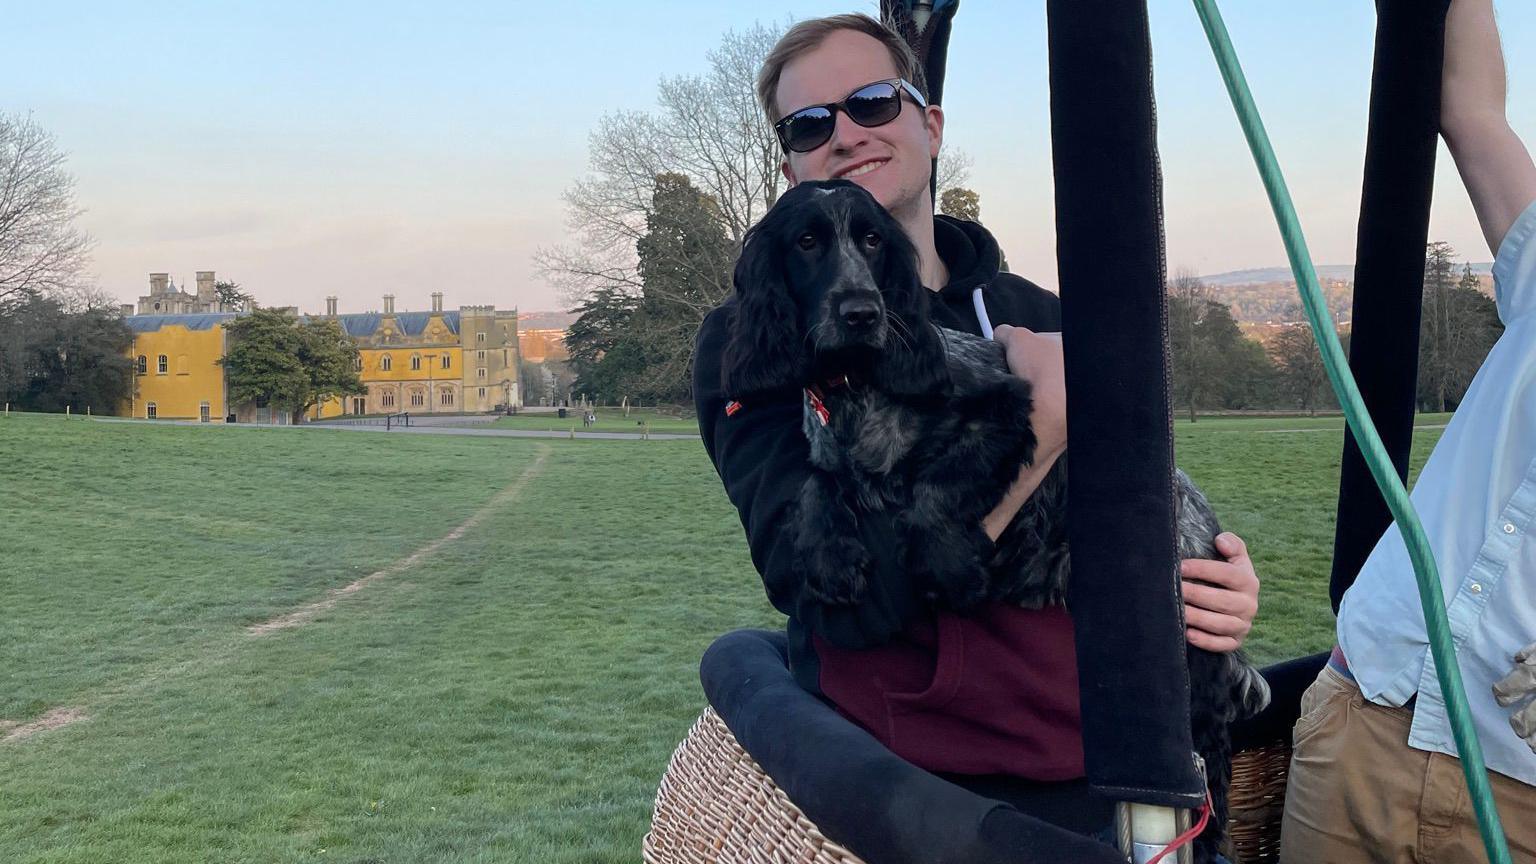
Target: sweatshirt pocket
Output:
{"points": [[948, 668]]}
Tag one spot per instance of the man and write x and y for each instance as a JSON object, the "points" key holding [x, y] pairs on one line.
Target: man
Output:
{"points": [[988, 700], [1374, 776]]}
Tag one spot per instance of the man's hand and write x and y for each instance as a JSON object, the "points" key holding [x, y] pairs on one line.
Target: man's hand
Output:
{"points": [[1521, 685], [1035, 357], [1218, 615]]}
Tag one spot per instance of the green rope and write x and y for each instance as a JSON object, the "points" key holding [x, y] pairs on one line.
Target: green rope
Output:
{"points": [[1430, 596]]}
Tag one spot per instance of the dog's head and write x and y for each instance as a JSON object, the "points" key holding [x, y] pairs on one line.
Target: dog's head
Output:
{"points": [[827, 283]]}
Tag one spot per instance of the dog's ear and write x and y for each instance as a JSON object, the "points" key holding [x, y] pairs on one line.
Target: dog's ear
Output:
{"points": [[765, 351], [914, 362]]}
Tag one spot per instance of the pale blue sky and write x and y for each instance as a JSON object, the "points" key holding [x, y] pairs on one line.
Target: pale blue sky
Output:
{"points": [[358, 149]]}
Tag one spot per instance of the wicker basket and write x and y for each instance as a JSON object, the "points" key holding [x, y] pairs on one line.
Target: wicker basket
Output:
{"points": [[716, 806]]}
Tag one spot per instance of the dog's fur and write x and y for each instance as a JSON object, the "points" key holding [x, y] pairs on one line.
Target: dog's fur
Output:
{"points": [[929, 425]]}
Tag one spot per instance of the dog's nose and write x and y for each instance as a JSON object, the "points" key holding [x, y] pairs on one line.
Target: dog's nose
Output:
{"points": [[858, 313]]}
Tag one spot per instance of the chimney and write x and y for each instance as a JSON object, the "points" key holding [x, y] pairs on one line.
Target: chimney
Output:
{"points": [[205, 286], [389, 304], [330, 307], [158, 282], [437, 301]]}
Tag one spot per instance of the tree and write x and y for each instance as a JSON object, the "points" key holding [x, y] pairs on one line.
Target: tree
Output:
{"points": [[56, 353], [231, 298], [708, 129], [960, 203], [276, 359], [1458, 327], [41, 250], [685, 265], [1300, 368], [1193, 360], [601, 325]]}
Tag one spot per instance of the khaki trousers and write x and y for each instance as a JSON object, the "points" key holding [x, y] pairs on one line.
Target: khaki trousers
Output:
{"points": [[1358, 792]]}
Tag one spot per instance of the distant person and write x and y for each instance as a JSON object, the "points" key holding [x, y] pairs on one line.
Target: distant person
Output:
{"points": [[1374, 776]]}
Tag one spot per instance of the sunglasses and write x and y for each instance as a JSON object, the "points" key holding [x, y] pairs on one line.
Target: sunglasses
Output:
{"points": [[869, 106]]}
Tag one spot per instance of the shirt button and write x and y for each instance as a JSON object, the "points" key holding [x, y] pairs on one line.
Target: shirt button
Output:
{"points": [[1477, 588], [1509, 527]]}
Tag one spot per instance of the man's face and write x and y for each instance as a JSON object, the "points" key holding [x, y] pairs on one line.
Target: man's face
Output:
{"points": [[892, 161]]}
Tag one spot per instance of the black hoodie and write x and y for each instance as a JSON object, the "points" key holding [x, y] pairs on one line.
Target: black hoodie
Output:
{"points": [[763, 457]]}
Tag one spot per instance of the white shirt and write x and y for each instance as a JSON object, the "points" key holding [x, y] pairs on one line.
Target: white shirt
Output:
{"points": [[1477, 499]]}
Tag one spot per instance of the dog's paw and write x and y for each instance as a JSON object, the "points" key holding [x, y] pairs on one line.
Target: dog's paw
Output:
{"points": [[836, 570], [955, 570]]}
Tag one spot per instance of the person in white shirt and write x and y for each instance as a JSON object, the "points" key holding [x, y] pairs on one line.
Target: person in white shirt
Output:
{"points": [[1374, 775]]}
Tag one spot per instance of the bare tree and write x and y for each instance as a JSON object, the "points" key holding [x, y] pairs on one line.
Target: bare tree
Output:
{"points": [[1192, 360], [953, 170], [707, 128], [41, 250]]}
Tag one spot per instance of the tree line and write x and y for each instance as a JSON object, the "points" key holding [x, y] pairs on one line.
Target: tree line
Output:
{"points": [[1215, 367]]}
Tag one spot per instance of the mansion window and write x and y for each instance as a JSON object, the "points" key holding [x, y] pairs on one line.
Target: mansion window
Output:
{"points": [[447, 399], [417, 399], [143, 364], [415, 362], [151, 412], [385, 364], [482, 392], [479, 337], [480, 356], [357, 363], [202, 412], [387, 399], [480, 373], [162, 364], [446, 362]]}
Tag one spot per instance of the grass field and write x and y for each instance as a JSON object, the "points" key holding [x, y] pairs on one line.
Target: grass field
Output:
{"points": [[608, 420], [511, 693]]}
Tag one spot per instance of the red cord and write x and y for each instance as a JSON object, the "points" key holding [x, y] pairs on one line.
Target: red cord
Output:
{"points": [[1187, 836]]}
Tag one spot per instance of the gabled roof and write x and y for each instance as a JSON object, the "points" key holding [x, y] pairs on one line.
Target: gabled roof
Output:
{"points": [[411, 323]]}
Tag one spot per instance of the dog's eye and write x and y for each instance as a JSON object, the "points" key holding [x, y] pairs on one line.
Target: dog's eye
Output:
{"points": [[807, 241], [871, 240]]}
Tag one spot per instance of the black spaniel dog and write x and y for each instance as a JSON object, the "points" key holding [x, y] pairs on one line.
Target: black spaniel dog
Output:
{"points": [[929, 425]]}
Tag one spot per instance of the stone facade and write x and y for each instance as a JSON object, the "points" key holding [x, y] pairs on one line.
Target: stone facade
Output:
{"points": [[164, 298], [461, 361]]}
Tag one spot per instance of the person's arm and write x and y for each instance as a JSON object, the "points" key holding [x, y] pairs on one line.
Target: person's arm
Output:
{"points": [[1494, 165], [763, 458], [1219, 607]]}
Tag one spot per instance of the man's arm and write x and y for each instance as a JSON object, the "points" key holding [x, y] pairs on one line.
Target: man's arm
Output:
{"points": [[1494, 164], [1220, 605]]}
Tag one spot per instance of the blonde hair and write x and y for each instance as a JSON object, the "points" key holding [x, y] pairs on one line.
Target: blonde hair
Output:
{"points": [[808, 35]]}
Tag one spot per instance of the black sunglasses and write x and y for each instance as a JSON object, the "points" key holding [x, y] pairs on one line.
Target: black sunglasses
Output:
{"points": [[871, 105]]}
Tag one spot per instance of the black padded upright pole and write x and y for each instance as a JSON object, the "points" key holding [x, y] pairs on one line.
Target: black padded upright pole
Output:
{"points": [[1389, 263], [1124, 592], [931, 45]]}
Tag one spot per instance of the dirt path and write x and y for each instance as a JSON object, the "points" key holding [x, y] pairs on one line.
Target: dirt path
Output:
{"points": [[304, 614], [13, 731]]}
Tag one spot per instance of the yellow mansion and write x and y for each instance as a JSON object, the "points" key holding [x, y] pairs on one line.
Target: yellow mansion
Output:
{"points": [[450, 362]]}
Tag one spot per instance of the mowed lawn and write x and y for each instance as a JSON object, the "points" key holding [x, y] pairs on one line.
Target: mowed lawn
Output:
{"points": [[511, 693], [608, 420]]}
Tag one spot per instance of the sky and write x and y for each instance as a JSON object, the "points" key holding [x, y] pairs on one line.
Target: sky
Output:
{"points": [[305, 149]]}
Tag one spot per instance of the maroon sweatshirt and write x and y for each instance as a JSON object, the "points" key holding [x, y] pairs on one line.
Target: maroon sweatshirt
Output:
{"points": [[992, 693]]}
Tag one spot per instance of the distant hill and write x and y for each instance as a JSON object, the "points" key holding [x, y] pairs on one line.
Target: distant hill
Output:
{"points": [[1268, 295], [1325, 272]]}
